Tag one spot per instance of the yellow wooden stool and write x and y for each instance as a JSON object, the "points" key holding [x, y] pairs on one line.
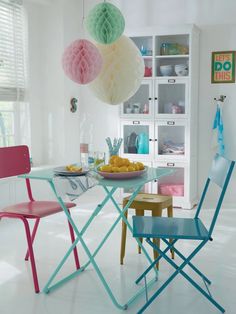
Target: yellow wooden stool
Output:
{"points": [[143, 201]]}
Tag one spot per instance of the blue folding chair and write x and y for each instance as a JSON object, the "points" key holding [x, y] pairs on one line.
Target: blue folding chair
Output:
{"points": [[184, 228]]}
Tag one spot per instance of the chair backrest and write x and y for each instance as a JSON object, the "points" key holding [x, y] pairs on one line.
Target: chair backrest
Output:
{"points": [[220, 173], [14, 161]]}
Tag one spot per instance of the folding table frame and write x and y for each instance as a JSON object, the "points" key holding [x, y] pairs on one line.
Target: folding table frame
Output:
{"points": [[110, 187]]}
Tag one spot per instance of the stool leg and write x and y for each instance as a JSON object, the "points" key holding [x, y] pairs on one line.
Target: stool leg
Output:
{"points": [[123, 238], [170, 214], [156, 213], [139, 212]]}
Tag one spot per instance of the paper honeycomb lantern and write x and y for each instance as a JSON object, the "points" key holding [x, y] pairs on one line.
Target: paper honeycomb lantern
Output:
{"points": [[122, 72], [105, 23], [82, 61]]}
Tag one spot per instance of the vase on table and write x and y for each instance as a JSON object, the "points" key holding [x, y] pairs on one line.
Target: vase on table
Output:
{"points": [[114, 146]]}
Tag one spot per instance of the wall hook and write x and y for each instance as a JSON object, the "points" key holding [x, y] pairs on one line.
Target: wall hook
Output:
{"points": [[73, 104], [221, 98]]}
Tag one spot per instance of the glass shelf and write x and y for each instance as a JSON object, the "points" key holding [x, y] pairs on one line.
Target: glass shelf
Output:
{"points": [[171, 56]]}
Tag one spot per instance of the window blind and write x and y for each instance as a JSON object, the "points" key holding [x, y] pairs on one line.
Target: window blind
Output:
{"points": [[13, 73]]}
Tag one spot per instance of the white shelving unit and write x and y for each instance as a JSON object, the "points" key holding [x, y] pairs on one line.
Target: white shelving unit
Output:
{"points": [[159, 123]]}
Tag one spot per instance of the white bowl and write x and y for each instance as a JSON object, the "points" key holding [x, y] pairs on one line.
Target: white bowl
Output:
{"points": [[166, 70], [181, 69]]}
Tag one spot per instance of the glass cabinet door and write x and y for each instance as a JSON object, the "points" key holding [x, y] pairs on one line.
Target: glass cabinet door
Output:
{"points": [[170, 139], [175, 184], [139, 105], [171, 97], [138, 139]]}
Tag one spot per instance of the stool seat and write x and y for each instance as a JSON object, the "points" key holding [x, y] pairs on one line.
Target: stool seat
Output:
{"points": [[143, 202], [149, 201]]}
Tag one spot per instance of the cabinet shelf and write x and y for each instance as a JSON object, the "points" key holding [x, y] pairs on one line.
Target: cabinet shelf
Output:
{"points": [[172, 77], [171, 56]]}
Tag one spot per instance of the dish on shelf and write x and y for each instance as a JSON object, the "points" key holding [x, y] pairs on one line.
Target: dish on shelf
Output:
{"points": [[122, 175], [166, 70], [147, 72], [173, 49], [63, 171], [181, 69]]}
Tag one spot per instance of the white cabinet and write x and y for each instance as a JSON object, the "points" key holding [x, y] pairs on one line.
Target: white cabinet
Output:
{"points": [[159, 123]]}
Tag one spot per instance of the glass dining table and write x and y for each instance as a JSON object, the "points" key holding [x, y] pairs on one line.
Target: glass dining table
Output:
{"points": [[110, 187]]}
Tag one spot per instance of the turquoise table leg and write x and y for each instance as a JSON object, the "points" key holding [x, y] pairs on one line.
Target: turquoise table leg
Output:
{"points": [[91, 256], [121, 216], [122, 212], [47, 287]]}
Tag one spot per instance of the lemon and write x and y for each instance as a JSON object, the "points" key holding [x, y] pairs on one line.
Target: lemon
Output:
{"points": [[118, 162], [140, 165], [73, 168], [106, 168], [115, 169], [126, 162], [123, 169], [113, 159]]}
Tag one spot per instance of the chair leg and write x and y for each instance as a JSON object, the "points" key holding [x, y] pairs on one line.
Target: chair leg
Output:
{"points": [[139, 212], [72, 235], [33, 237], [170, 214], [123, 238], [31, 254], [179, 270], [156, 213]]}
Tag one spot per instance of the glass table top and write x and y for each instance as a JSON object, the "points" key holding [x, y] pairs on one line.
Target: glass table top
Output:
{"points": [[151, 175]]}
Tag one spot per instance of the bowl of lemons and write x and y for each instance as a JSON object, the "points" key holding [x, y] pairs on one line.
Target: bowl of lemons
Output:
{"points": [[121, 168]]}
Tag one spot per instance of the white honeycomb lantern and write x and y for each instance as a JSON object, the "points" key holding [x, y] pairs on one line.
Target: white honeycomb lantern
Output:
{"points": [[122, 72]]}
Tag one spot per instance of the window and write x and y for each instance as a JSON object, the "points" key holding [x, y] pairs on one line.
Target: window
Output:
{"points": [[14, 109]]}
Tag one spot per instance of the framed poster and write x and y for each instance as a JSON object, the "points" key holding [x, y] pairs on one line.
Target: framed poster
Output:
{"points": [[223, 67]]}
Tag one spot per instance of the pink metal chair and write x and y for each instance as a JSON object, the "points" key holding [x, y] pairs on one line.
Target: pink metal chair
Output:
{"points": [[15, 161]]}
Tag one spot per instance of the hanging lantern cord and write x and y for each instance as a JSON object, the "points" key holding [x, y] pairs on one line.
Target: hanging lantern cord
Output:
{"points": [[83, 17]]}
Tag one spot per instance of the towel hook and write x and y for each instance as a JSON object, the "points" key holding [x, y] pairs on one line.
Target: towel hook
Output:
{"points": [[221, 98]]}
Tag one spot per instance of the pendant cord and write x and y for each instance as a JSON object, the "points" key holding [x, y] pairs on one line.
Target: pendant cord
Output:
{"points": [[83, 15], [83, 10]]}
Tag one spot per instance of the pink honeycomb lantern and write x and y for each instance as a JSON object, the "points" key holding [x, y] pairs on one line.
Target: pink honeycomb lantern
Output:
{"points": [[82, 61]]}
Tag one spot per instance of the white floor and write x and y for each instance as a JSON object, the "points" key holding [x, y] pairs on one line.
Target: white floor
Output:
{"points": [[85, 294]]}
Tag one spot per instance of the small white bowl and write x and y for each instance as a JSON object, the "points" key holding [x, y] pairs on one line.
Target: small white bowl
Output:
{"points": [[181, 69], [166, 70]]}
